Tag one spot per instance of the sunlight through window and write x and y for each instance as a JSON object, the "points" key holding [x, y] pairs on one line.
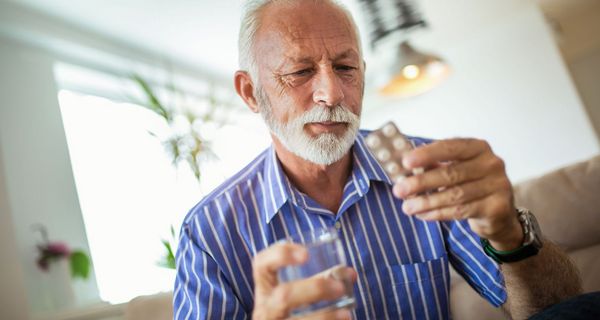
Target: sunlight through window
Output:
{"points": [[130, 193]]}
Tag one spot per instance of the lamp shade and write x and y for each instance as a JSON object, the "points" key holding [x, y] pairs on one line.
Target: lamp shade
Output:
{"points": [[413, 73], [409, 72]]}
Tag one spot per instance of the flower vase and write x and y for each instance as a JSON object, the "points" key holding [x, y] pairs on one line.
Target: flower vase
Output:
{"points": [[60, 294]]}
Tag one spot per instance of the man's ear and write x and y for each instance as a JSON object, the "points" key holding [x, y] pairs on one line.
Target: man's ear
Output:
{"points": [[245, 89]]}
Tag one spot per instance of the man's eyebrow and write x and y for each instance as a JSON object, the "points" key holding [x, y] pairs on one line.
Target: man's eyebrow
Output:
{"points": [[350, 53], [302, 60]]}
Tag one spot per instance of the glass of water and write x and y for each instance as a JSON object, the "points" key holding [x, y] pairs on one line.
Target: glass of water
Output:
{"points": [[326, 258]]}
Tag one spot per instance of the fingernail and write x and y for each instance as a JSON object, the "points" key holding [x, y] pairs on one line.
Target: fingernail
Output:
{"points": [[299, 255], [406, 162], [425, 216], [400, 189], [408, 206], [338, 286], [343, 314], [349, 273]]}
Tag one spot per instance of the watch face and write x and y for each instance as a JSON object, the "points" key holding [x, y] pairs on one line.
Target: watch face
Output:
{"points": [[535, 229]]}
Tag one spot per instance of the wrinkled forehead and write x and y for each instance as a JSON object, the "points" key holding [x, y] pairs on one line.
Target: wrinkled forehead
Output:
{"points": [[300, 25]]}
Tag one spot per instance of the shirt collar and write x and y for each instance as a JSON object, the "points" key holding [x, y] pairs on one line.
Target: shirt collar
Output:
{"points": [[278, 189], [277, 186]]}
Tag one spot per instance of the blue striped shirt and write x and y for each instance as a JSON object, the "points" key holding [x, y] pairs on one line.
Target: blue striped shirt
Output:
{"points": [[402, 262]]}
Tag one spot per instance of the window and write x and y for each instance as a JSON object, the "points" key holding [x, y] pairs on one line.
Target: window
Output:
{"points": [[130, 193]]}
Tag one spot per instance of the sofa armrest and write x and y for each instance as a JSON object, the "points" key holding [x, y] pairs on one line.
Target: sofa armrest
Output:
{"points": [[153, 307]]}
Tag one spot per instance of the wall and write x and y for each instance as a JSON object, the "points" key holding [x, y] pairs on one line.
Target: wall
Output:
{"points": [[585, 71], [13, 299], [509, 86], [39, 185]]}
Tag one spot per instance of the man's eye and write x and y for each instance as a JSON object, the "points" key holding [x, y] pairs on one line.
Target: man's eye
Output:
{"points": [[344, 68], [302, 72]]}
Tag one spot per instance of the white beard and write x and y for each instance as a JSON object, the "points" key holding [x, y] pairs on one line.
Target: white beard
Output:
{"points": [[325, 148]]}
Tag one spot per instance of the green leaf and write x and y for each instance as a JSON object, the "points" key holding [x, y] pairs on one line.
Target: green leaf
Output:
{"points": [[154, 103], [168, 247], [169, 259], [80, 265]]}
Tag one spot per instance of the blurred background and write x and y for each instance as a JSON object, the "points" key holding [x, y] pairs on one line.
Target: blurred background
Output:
{"points": [[118, 116]]}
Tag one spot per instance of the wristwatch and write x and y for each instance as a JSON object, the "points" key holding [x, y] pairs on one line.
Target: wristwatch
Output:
{"points": [[532, 242]]}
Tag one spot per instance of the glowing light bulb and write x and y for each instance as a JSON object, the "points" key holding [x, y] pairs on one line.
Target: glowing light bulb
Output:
{"points": [[410, 71]]}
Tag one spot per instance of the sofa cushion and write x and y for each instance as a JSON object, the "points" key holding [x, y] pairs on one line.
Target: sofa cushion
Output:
{"points": [[587, 261], [566, 203], [466, 304]]}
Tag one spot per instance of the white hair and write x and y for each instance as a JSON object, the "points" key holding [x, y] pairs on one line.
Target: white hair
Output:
{"points": [[251, 23]]}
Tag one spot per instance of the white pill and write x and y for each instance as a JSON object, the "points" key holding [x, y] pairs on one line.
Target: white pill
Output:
{"points": [[399, 143], [392, 168], [383, 155], [373, 141], [389, 130]]}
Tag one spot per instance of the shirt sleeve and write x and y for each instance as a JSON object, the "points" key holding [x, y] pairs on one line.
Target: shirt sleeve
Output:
{"points": [[468, 259], [201, 289]]}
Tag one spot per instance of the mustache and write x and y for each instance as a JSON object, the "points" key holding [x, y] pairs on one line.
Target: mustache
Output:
{"points": [[320, 113]]}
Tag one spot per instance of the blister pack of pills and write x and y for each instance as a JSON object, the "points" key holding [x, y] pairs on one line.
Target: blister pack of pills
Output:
{"points": [[389, 145]]}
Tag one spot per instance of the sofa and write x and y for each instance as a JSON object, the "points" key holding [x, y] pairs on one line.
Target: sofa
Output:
{"points": [[567, 205]]}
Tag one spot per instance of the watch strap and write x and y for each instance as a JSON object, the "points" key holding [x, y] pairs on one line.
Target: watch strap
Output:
{"points": [[509, 256]]}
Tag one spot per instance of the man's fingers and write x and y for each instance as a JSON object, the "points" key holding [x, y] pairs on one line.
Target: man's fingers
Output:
{"points": [[294, 294], [444, 150], [485, 215], [324, 286], [349, 274], [456, 195], [446, 175], [487, 207], [346, 275], [339, 272], [456, 212], [279, 255], [276, 300]]}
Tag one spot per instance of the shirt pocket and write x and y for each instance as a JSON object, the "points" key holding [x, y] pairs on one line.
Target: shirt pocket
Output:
{"points": [[421, 288]]}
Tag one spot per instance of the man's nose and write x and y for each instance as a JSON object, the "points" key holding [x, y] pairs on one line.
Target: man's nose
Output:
{"points": [[328, 89]]}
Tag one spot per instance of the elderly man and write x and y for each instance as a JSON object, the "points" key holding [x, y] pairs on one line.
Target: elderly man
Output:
{"points": [[303, 72]]}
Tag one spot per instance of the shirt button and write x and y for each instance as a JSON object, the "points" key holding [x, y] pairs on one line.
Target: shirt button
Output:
{"points": [[338, 225]]}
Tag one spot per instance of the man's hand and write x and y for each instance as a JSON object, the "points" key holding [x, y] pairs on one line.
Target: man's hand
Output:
{"points": [[468, 182], [274, 300]]}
